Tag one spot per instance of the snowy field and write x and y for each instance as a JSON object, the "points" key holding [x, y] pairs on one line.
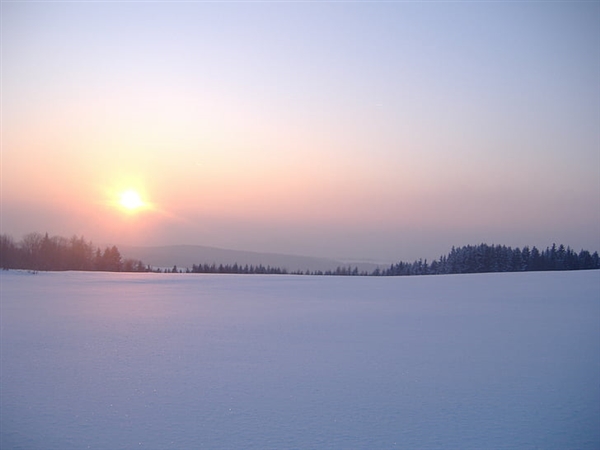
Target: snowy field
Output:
{"points": [[157, 361]]}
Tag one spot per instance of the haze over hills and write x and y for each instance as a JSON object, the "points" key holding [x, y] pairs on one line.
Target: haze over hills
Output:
{"points": [[187, 255]]}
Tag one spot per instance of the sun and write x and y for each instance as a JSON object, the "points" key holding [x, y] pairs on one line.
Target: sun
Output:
{"points": [[131, 201]]}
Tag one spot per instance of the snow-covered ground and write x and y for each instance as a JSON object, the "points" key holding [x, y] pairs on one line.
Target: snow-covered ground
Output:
{"points": [[157, 361]]}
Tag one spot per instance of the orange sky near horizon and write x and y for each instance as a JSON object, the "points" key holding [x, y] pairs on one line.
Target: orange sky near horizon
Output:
{"points": [[381, 131]]}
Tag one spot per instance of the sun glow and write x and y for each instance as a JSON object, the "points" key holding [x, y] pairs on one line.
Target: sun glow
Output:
{"points": [[131, 201]]}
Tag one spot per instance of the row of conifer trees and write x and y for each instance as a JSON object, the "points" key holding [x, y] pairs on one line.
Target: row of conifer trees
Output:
{"points": [[41, 252], [468, 259], [498, 258]]}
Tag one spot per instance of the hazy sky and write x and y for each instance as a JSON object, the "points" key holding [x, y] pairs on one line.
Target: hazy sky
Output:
{"points": [[374, 130]]}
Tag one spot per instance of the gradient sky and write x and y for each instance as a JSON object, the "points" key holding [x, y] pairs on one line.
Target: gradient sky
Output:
{"points": [[365, 130]]}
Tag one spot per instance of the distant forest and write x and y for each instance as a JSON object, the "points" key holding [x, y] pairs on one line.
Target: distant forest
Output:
{"points": [[499, 258], [40, 252], [468, 259]]}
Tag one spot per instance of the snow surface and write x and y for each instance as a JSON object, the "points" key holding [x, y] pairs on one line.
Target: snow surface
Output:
{"points": [[157, 361]]}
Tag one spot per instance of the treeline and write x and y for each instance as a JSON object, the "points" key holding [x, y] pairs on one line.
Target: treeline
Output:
{"points": [[498, 258], [262, 270], [235, 268], [42, 252], [468, 259]]}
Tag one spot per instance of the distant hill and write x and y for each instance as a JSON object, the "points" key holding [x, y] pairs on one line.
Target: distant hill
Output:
{"points": [[187, 255]]}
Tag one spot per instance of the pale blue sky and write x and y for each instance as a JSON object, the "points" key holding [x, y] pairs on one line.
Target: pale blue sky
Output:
{"points": [[381, 130]]}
